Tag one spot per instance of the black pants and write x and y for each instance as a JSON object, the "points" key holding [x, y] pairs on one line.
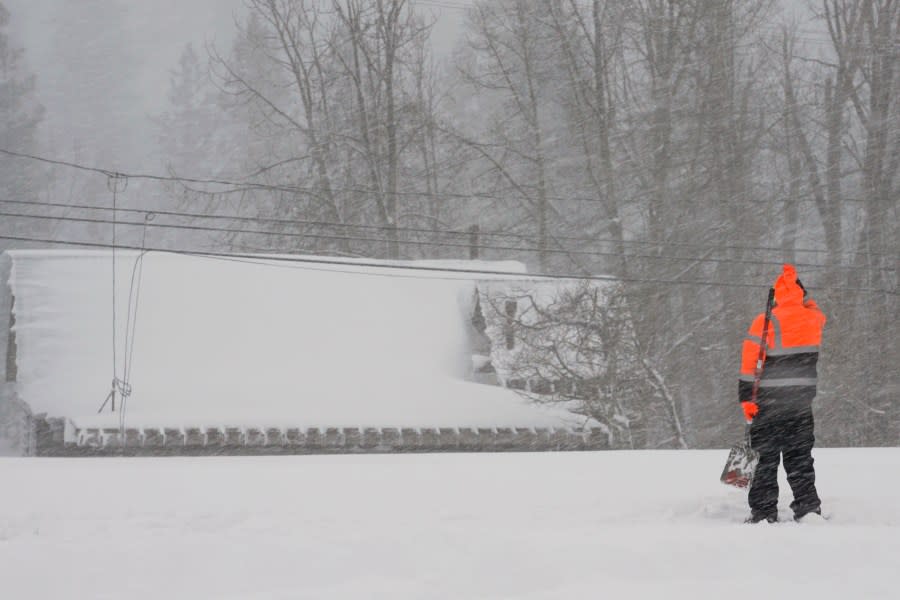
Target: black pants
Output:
{"points": [[791, 434]]}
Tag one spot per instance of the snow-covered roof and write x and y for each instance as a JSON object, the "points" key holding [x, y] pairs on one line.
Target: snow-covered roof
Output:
{"points": [[255, 341]]}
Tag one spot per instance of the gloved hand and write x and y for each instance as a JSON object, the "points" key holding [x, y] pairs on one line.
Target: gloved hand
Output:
{"points": [[750, 410]]}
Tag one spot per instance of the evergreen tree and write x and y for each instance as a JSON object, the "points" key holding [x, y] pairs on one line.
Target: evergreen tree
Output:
{"points": [[20, 114], [188, 128]]}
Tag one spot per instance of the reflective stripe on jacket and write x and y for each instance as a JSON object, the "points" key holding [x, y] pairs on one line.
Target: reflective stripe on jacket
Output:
{"points": [[792, 346]]}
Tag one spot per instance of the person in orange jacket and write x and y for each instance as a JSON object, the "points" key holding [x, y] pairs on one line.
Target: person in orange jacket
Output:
{"points": [[781, 417]]}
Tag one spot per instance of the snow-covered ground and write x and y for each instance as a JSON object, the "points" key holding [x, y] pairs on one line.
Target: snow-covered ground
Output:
{"points": [[648, 524]]}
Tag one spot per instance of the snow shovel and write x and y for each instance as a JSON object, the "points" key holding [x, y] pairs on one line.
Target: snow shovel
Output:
{"points": [[741, 464], [742, 460]]}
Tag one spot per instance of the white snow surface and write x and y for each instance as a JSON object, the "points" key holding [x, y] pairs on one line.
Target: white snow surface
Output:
{"points": [[255, 343], [640, 524]]}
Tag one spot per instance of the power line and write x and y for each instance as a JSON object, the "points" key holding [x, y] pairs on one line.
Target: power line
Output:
{"points": [[401, 229], [302, 262], [110, 174], [246, 185], [347, 238], [241, 186], [294, 222], [273, 220]]}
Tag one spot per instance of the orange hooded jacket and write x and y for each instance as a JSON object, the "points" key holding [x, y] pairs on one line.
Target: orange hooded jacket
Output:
{"points": [[792, 347]]}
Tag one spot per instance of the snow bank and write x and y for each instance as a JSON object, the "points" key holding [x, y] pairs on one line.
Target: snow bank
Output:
{"points": [[254, 343], [640, 524]]}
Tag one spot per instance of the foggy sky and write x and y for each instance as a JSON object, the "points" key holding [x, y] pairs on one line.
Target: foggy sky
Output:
{"points": [[103, 67]]}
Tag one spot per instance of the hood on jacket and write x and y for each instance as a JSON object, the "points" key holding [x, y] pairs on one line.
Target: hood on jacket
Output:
{"points": [[787, 291]]}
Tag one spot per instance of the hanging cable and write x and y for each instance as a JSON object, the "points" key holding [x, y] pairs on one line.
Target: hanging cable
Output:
{"points": [[114, 186], [115, 183], [134, 292]]}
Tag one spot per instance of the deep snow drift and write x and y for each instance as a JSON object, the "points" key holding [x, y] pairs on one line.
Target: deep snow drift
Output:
{"points": [[642, 524]]}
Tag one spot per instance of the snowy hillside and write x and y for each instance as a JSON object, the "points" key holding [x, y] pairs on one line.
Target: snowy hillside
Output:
{"points": [[654, 524]]}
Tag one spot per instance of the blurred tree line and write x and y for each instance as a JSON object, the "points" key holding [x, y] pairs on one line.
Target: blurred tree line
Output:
{"points": [[687, 147], [20, 115]]}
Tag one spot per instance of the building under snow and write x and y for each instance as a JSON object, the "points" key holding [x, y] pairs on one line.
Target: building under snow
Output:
{"points": [[167, 352]]}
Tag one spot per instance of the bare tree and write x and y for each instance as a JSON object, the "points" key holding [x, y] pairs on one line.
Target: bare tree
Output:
{"points": [[508, 44], [575, 345], [382, 55], [287, 42], [865, 36], [336, 100], [590, 39]]}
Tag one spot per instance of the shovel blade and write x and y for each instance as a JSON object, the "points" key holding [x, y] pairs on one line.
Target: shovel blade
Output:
{"points": [[740, 466]]}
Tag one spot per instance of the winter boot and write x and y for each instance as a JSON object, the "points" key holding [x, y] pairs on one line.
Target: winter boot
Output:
{"points": [[759, 517]]}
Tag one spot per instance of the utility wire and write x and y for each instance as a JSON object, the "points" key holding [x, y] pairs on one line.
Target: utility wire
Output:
{"points": [[302, 262], [304, 222], [110, 174], [242, 186], [455, 232], [346, 238]]}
